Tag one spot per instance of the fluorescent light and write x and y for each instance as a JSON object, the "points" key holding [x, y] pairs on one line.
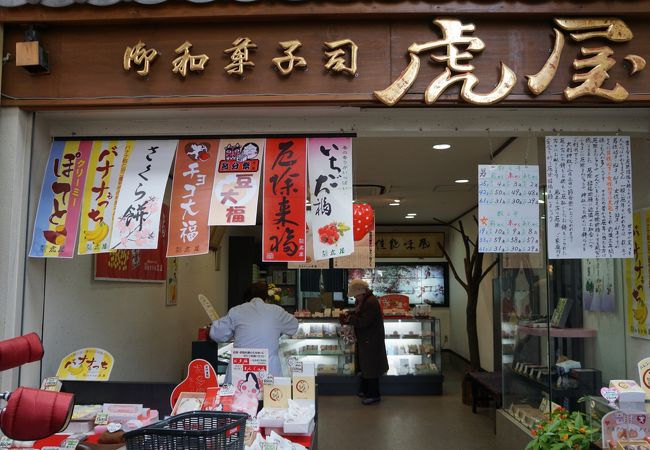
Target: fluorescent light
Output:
{"points": [[462, 180], [412, 214], [409, 217], [540, 201], [393, 204], [442, 147], [397, 200]]}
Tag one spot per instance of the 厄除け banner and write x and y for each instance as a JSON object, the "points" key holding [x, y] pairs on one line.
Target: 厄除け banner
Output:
{"points": [[330, 186], [285, 167]]}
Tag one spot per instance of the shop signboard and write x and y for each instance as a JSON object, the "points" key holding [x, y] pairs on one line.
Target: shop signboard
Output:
{"points": [[285, 179], [100, 194], [409, 245], [237, 182], [136, 265], [249, 369], [86, 364], [637, 277], [139, 204], [589, 197], [330, 184], [508, 208], [194, 170], [59, 205]]}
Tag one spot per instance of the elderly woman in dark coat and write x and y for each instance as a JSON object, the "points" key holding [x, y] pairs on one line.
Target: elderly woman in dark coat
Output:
{"points": [[371, 350]]}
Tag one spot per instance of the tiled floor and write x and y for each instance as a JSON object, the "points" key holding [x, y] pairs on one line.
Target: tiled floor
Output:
{"points": [[405, 423]]}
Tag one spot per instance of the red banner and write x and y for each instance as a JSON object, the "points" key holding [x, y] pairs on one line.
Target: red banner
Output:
{"points": [[189, 232], [136, 265], [285, 167]]}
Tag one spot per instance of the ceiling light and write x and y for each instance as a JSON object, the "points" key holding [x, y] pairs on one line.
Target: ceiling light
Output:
{"points": [[462, 180], [442, 147], [397, 200], [540, 201], [393, 204], [412, 214], [409, 217]]}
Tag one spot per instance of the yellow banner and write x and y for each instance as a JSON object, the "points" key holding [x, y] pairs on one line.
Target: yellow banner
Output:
{"points": [[86, 364], [635, 277]]}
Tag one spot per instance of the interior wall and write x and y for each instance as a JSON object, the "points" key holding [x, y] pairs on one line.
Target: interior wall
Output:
{"points": [[149, 341]]}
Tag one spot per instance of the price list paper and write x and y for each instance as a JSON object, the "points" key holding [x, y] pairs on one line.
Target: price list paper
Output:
{"points": [[589, 200], [508, 209]]}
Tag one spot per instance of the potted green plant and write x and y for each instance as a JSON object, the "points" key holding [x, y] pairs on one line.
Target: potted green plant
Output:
{"points": [[563, 430]]}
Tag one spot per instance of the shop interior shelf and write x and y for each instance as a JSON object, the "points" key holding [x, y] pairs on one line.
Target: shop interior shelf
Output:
{"points": [[567, 392], [558, 332]]}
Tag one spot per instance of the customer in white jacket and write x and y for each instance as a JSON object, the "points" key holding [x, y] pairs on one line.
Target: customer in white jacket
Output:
{"points": [[256, 324]]}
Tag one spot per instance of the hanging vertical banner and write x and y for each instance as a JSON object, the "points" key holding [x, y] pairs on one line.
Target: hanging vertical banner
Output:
{"points": [[310, 261], [364, 240], [189, 232], [637, 278], [237, 182], [589, 199], [508, 209], [59, 206], [137, 265], [285, 180], [137, 213], [100, 194], [330, 184]]}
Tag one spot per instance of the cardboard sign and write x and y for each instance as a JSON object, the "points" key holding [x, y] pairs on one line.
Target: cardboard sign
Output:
{"points": [[200, 377], [644, 376], [277, 393], [304, 381], [86, 364]]}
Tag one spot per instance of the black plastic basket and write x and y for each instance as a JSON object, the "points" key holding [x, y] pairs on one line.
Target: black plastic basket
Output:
{"points": [[199, 430]]}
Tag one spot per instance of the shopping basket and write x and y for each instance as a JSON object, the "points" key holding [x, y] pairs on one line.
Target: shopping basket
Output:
{"points": [[199, 430]]}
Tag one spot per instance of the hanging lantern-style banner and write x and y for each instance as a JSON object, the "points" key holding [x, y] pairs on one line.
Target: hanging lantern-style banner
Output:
{"points": [[285, 167], [189, 232], [59, 206], [237, 182]]}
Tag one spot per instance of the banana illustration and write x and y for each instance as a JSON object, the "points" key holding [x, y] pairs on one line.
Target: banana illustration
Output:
{"points": [[98, 234]]}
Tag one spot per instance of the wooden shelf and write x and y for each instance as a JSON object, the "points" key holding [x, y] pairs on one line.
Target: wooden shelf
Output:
{"points": [[558, 332]]}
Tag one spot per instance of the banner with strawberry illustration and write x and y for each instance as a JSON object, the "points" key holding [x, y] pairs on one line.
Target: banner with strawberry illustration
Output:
{"points": [[100, 194], [285, 164], [196, 163], [364, 240], [59, 206], [330, 184], [137, 213]]}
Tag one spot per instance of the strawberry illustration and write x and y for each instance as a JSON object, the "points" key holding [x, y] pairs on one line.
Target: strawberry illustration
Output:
{"points": [[364, 220]]}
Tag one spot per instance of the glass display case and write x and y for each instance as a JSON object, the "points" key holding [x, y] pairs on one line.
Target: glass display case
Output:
{"points": [[412, 347]]}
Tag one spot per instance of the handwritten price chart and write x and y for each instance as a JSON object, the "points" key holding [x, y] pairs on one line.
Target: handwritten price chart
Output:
{"points": [[508, 209]]}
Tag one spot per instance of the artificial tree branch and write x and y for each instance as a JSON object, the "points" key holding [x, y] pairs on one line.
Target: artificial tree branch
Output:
{"points": [[490, 267], [451, 264]]}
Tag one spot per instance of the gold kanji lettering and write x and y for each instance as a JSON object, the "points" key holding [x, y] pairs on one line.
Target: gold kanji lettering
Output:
{"points": [[337, 57], [455, 57], [286, 64], [598, 59], [140, 56], [196, 63], [239, 54]]}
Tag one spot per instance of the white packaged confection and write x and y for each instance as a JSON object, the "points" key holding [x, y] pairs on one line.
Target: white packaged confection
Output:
{"points": [[629, 391]]}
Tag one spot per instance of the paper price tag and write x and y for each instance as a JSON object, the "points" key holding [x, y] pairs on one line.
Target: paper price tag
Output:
{"points": [[101, 419], [113, 427]]}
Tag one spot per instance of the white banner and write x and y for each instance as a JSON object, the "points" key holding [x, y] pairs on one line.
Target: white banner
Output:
{"points": [[330, 184], [237, 182], [589, 200], [137, 214], [508, 209]]}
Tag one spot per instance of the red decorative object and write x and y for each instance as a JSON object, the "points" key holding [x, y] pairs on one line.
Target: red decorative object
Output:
{"points": [[364, 220], [21, 350], [200, 376]]}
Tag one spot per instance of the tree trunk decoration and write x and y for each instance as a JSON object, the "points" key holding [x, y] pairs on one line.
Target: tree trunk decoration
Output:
{"points": [[474, 274]]}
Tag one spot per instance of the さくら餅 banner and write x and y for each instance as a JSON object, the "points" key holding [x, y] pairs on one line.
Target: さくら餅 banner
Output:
{"points": [[330, 185], [100, 194], [285, 167], [57, 218], [237, 182], [137, 214], [189, 232]]}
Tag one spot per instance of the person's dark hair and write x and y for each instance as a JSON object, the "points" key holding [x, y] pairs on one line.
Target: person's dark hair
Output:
{"points": [[251, 374], [259, 290]]}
